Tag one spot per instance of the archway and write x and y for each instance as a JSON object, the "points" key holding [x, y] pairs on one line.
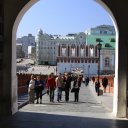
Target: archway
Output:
{"points": [[14, 31], [22, 12]]}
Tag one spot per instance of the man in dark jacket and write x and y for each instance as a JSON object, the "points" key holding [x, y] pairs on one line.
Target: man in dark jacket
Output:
{"points": [[105, 83], [67, 83]]}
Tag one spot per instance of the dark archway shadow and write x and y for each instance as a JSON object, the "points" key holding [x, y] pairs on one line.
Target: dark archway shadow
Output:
{"points": [[41, 120]]}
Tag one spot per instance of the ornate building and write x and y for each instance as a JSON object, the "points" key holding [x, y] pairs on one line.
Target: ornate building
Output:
{"points": [[82, 57], [77, 52]]}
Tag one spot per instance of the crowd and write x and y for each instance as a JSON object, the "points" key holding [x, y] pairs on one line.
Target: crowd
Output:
{"points": [[60, 83], [52, 83]]}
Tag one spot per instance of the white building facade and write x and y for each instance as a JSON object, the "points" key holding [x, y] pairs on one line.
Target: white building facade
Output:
{"points": [[45, 49], [31, 52]]}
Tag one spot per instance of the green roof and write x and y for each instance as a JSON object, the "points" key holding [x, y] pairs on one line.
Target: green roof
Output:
{"points": [[108, 42]]}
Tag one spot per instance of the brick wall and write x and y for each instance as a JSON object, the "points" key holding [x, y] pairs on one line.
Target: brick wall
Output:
{"points": [[110, 86], [22, 82]]}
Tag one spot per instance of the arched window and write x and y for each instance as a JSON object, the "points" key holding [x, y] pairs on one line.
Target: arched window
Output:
{"points": [[107, 62], [82, 52], [73, 51], [91, 52], [63, 51]]}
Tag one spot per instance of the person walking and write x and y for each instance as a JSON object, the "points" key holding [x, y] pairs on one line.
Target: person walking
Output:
{"points": [[105, 83], [59, 84], [76, 86], [67, 84], [93, 79], [39, 86], [97, 87], [87, 80], [51, 85], [31, 91]]}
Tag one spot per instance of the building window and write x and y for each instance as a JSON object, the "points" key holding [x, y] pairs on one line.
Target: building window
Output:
{"points": [[82, 52], [91, 52], [73, 51], [107, 62], [63, 51], [105, 32]]}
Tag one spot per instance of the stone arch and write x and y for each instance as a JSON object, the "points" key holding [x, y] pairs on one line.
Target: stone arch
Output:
{"points": [[22, 12], [13, 69]]}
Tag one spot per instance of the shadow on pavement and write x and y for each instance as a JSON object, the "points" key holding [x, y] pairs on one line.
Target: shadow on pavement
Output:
{"points": [[40, 120]]}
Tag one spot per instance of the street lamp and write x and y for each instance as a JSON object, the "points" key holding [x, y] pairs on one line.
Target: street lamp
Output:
{"points": [[99, 45]]}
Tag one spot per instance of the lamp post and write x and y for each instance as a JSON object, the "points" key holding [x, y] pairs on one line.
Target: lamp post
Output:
{"points": [[99, 45]]}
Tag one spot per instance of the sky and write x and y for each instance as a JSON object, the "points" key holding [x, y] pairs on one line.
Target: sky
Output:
{"points": [[62, 17]]}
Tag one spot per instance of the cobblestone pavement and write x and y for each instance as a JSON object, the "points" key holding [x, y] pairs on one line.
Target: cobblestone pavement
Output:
{"points": [[87, 113], [87, 104]]}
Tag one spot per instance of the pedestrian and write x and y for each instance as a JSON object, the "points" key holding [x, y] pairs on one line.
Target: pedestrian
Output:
{"points": [[31, 91], [105, 83], [59, 85], [39, 87], [97, 87], [83, 79], [86, 81], [47, 90], [51, 86], [93, 79], [76, 86], [67, 84]]}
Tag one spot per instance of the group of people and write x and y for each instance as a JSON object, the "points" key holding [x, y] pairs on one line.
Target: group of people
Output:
{"points": [[62, 83], [52, 83], [35, 86], [59, 83]]}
